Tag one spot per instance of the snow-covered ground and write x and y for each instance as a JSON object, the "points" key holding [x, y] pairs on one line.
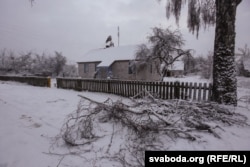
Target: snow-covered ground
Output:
{"points": [[31, 118], [192, 79]]}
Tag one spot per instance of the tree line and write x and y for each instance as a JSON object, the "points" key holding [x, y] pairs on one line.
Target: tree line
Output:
{"points": [[203, 65], [30, 63]]}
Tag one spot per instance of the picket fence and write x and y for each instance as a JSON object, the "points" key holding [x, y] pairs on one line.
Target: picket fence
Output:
{"points": [[163, 90]]}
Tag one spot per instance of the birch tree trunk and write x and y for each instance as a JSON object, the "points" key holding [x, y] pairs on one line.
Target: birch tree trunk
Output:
{"points": [[224, 69]]}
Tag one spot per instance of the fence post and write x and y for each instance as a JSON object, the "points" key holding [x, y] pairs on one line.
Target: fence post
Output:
{"points": [[171, 87], [177, 90], [204, 91], [210, 92], [79, 84], [49, 82], [58, 83], [109, 86]]}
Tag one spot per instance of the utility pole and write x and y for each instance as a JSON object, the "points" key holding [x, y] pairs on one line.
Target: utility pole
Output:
{"points": [[118, 34]]}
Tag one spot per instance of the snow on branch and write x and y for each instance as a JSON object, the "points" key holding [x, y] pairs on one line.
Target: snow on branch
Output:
{"points": [[143, 123]]}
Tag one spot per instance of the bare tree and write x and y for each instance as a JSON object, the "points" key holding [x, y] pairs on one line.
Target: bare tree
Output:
{"points": [[245, 51], [69, 70], [221, 13], [143, 58], [3, 59], [60, 62], [25, 61], [166, 48]]}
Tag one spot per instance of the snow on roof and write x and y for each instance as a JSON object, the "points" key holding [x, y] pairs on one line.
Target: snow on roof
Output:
{"points": [[108, 55], [177, 65]]}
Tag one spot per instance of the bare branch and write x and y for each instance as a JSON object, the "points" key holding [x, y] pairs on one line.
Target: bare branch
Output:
{"points": [[165, 49], [147, 123], [200, 13]]}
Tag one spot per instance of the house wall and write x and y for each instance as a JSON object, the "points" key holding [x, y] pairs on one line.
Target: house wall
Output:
{"points": [[89, 72], [149, 73], [103, 73], [176, 73], [120, 70]]}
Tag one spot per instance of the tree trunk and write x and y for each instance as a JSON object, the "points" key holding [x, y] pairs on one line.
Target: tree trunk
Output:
{"points": [[224, 69]]}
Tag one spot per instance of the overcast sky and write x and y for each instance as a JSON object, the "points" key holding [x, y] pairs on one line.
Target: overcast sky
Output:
{"points": [[74, 27]]}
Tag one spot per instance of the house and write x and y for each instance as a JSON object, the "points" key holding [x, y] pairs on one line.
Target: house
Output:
{"points": [[176, 69], [242, 65], [246, 66], [115, 63]]}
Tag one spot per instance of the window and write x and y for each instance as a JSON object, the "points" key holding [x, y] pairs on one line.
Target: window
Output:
{"points": [[86, 67]]}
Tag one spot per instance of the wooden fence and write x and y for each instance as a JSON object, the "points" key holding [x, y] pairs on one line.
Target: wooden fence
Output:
{"points": [[164, 90], [35, 81]]}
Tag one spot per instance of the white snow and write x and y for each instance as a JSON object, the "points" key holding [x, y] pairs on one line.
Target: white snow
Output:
{"points": [[193, 79], [108, 55], [31, 118], [177, 65]]}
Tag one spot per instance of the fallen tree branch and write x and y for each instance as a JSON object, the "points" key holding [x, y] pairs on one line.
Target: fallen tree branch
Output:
{"points": [[60, 161], [148, 122]]}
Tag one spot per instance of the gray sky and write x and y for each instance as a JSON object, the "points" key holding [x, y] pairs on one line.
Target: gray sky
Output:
{"points": [[74, 27]]}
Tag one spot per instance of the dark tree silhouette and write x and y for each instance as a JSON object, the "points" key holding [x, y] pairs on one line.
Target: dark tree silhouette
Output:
{"points": [[166, 48], [60, 62], [221, 13]]}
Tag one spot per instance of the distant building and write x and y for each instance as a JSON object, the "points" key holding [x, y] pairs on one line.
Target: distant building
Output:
{"points": [[176, 69], [117, 63], [242, 65], [246, 65]]}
